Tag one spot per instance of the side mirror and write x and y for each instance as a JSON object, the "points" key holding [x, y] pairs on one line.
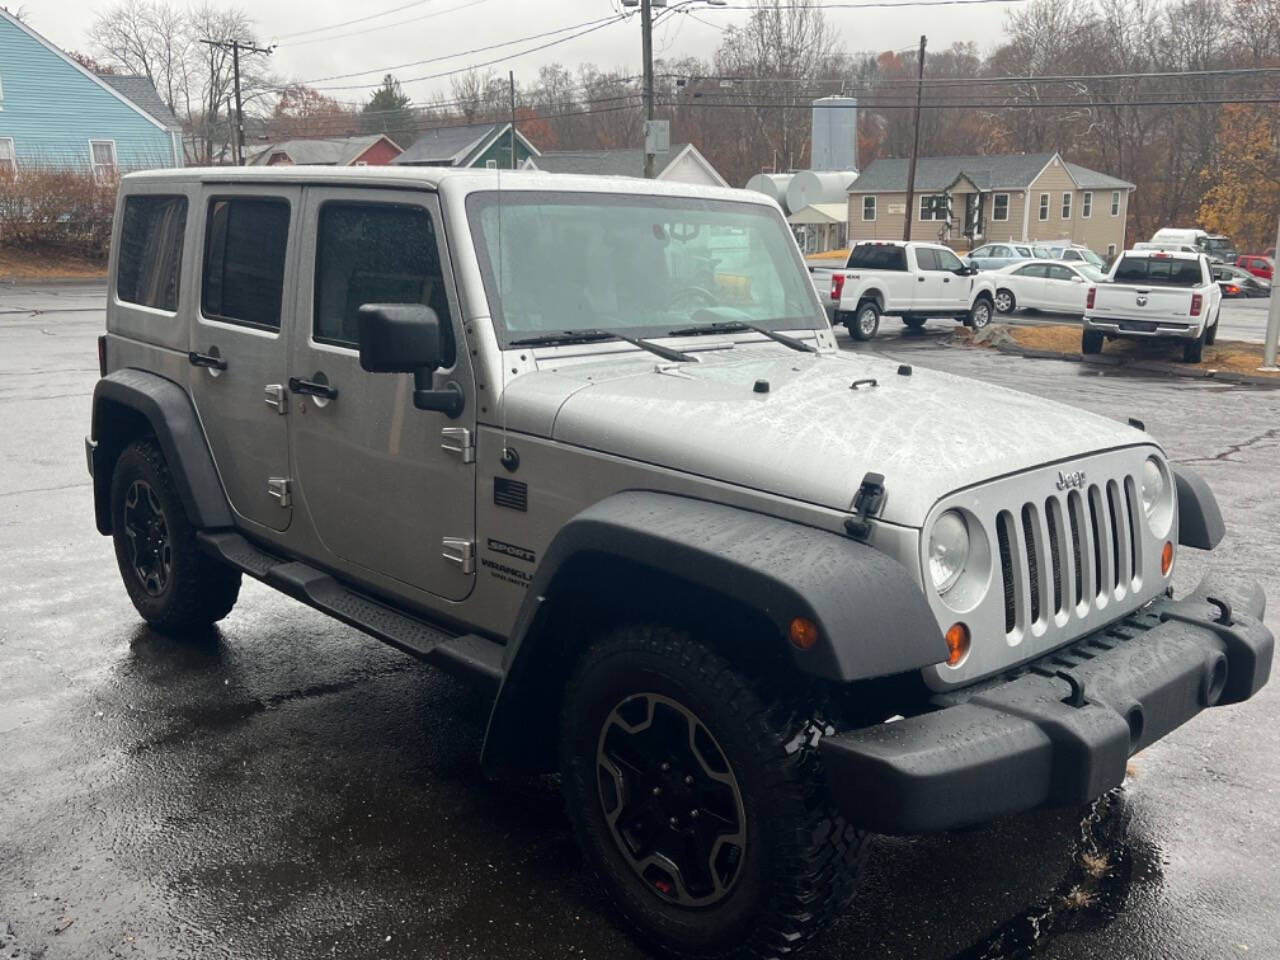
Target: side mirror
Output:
{"points": [[398, 337], [407, 338], [1075, 279]]}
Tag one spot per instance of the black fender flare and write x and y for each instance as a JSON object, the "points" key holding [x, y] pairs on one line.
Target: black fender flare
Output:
{"points": [[1199, 519], [131, 403], [872, 618]]}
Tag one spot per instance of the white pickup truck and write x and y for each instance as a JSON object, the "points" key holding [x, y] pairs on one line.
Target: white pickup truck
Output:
{"points": [[1155, 293], [914, 281]]}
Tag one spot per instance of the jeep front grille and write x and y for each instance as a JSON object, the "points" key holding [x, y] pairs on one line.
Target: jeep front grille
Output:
{"points": [[1044, 583]]}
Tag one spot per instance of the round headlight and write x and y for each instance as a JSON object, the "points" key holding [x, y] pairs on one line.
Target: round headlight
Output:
{"points": [[1153, 485], [948, 550]]}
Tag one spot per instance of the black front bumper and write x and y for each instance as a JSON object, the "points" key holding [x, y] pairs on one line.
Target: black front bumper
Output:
{"points": [[1060, 730]]}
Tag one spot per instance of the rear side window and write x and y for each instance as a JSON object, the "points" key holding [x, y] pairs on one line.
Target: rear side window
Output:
{"points": [[150, 260], [926, 258], [1032, 270], [244, 251], [873, 256], [375, 253], [1165, 271]]}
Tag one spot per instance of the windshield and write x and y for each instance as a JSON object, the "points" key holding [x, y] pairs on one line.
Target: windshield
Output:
{"points": [[641, 265], [1090, 272], [1216, 244]]}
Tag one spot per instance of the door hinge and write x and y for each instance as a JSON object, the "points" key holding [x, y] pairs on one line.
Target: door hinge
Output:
{"points": [[462, 552], [458, 440], [281, 489], [276, 397]]}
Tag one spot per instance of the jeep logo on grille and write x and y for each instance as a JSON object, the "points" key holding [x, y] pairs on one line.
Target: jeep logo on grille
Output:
{"points": [[1068, 480]]}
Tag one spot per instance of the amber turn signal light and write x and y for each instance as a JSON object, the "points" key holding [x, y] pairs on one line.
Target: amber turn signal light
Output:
{"points": [[803, 633], [1166, 558], [957, 637]]}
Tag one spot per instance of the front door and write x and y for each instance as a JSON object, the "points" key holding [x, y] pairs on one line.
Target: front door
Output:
{"points": [[389, 489], [239, 347]]}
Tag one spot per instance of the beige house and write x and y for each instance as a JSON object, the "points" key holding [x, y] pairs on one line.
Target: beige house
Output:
{"points": [[1031, 197]]}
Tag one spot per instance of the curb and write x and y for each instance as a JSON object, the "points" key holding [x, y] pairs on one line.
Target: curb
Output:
{"points": [[1183, 371]]}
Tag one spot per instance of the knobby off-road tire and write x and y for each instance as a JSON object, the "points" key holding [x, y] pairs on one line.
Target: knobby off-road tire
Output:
{"points": [[173, 585], [634, 702]]}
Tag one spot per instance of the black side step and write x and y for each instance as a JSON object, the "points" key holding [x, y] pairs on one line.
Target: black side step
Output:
{"points": [[470, 656]]}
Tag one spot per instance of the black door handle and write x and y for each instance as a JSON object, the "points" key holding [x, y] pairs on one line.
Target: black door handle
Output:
{"points": [[919, 279], [206, 360], [313, 389], [946, 279]]}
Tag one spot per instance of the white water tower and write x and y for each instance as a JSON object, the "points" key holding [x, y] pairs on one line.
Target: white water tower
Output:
{"points": [[835, 134]]}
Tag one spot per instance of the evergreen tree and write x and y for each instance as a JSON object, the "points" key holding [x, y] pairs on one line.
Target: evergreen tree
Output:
{"points": [[388, 111]]}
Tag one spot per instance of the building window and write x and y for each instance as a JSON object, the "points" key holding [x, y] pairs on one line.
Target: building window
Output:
{"points": [[244, 255], [1000, 206], [932, 206], [491, 164], [1086, 205], [1044, 206], [868, 208], [151, 232], [1115, 203], [103, 155], [8, 161], [1066, 206], [1111, 250]]}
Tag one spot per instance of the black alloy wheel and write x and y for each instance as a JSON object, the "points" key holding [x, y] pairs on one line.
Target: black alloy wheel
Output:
{"points": [[147, 530], [671, 800]]}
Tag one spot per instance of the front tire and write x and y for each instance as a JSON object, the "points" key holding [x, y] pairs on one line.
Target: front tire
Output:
{"points": [[980, 313], [697, 798], [1005, 301], [865, 322], [173, 585]]}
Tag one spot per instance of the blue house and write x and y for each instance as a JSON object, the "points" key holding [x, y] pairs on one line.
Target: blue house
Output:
{"points": [[55, 113]]}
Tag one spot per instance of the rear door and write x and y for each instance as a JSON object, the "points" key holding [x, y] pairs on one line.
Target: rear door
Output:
{"points": [[928, 285], [389, 489], [1028, 284], [1063, 290], [239, 345]]}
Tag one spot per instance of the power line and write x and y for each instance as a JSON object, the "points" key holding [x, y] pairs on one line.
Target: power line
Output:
{"points": [[987, 104], [464, 53], [984, 81], [347, 23], [385, 26]]}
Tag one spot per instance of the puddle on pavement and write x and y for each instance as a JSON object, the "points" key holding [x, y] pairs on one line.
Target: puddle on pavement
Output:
{"points": [[1108, 860]]}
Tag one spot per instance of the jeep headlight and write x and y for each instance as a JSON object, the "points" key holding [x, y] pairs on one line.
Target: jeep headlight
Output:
{"points": [[948, 550], [1157, 496]]}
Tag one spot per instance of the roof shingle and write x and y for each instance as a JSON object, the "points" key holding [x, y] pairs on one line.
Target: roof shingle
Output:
{"points": [[143, 94], [987, 172]]}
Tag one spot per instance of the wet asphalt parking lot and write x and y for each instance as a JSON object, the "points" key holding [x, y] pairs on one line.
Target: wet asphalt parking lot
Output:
{"points": [[286, 788]]}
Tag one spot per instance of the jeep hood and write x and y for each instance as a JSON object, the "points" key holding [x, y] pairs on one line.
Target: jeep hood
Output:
{"points": [[812, 436]]}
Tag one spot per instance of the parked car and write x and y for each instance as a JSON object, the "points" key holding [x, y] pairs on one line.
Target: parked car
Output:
{"points": [[993, 256], [1237, 283], [1155, 293], [752, 597], [914, 281], [1258, 265], [1215, 246], [1051, 285], [1076, 252]]}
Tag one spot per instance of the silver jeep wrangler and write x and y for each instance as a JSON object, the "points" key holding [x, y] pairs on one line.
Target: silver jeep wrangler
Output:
{"points": [[591, 443]]}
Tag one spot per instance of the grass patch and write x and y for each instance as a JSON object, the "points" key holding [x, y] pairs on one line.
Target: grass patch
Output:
{"points": [[48, 265]]}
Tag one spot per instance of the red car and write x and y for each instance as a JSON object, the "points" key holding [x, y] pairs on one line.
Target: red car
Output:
{"points": [[1257, 264]]}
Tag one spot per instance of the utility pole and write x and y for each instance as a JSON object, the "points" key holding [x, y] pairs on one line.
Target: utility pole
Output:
{"points": [[646, 49], [511, 84], [236, 46], [1273, 326], [915, 148]]}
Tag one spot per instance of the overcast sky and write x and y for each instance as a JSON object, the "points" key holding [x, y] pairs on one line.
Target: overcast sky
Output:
{"points": [[434, 28]]}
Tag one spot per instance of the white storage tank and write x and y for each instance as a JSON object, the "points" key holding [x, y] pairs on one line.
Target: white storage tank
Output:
{"points": [[835, 134], [772, 185], [818, 186]]}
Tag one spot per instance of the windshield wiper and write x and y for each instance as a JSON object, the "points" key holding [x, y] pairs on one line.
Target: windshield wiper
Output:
{"points": [[737, 326], [559, 337]]}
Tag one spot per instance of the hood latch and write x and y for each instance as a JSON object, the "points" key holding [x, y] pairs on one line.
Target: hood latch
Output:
{"points": [[866, 504]]}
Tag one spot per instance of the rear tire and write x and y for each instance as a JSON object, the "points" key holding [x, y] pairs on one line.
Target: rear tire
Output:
{"points": [[865, 322], [1091, 342], [632, 706], [1005, 301], [1193, 350], [172, 583]]}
